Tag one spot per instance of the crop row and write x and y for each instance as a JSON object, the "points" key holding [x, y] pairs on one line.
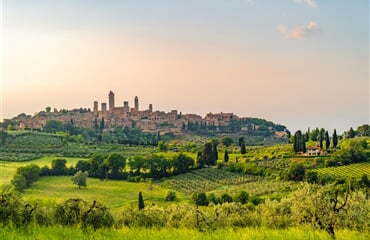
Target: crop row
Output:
{"points": [[204, 180], [353, 170], [262, 187]]}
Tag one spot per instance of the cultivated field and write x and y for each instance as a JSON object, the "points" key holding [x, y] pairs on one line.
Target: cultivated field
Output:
{"points": [[353, 170]]}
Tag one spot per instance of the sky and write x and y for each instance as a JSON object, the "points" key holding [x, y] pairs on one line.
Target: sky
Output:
{"points": [[300, 63]]}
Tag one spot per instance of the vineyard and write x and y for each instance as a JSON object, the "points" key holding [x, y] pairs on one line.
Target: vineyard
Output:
{"points": [[206, 179], [353, 170], [258, 188]]}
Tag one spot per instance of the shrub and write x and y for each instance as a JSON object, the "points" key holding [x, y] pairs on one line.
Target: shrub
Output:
{"points": [[19, 182], [212, 198], [225, 198], [170, 196], [200, 199], [242, 197]]}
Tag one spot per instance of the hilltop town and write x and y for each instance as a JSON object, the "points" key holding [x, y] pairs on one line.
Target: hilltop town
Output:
{"points": [[148, 120]]}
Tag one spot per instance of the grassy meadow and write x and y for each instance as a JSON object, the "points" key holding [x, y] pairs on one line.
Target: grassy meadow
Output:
{"points": [[113, 194], [7, 169], [59, 232]]}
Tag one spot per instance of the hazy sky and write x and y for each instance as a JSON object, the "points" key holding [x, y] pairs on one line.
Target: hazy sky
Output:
{"points": [[300, 63]]}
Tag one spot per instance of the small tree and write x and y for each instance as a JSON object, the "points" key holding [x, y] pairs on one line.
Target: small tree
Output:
{"points": [[170, 196], [141, 201], [335, 139], [242, 148], [80, 179], [242, 197], [19, 182], [200, 199], [327, 140], [226, 156], [225, 197]]}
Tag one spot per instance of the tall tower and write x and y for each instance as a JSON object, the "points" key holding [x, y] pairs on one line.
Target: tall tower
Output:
{"points": [[136, 104], [104, 109], [126, 108], [111, 100], [150, 108], [96, 108]]}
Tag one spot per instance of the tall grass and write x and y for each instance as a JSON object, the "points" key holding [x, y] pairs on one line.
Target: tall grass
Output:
{"points": [[58, 232]]}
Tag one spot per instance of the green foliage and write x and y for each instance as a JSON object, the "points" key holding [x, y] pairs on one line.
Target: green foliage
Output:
{"points": [[225, 198], [97, 216], [212, 198], [115, 162], [199, 199], [80, 179], [296, 172], [11, 208], [96, 166], [141, 201], [78, 212], [182, 163], [348, 171], [242, 197], [31, 173], [226, 156], [83, 165], [351, 151], [170, 196], [205, 179], [327, 140], [3, 135], [227, 141], [208, 155], [335, 138], [59, 167], [299, 143], [19, 182], [242, 148]]}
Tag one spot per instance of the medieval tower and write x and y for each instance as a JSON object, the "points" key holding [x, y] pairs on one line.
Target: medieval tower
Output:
{"points": [[111, 100], [95, 109], [136, 104]]}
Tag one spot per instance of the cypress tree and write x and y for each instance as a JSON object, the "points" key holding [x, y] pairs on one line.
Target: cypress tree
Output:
{"points": [[335, 139], [141, 201], [226, 156], [327, 140], [215, 154], [242, 148], [102, 124], [322, 131]]}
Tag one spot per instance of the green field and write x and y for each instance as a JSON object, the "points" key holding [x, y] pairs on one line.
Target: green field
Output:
{"points": [[58, 232], [7, 169], [113, 194], [206, 179], [353, 170], [258, 188]]}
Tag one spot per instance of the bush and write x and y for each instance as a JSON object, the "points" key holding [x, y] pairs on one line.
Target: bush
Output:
{"points": [[200, 199], [30, 172], [212, 198], [19, 182], [242, 197], [170, 196], [77, 211], [225, 198]]}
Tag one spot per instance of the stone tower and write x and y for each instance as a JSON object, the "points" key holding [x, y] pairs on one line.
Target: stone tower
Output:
{"points": [[136, 104], [96, 109], [126, 108], [104, 109], [111, 100], [150, 108]]}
